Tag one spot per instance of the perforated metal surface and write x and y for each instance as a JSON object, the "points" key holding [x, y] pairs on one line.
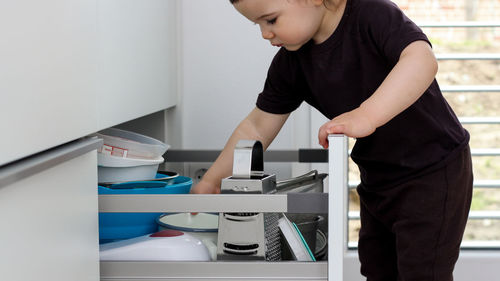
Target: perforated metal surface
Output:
{"points": [[272, 237]]}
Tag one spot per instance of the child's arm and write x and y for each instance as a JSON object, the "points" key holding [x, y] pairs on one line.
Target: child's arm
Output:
{"points": [[407, 81], [258, 125]]}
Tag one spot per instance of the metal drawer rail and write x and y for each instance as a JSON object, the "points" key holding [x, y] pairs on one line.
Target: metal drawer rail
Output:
{"points": [[266, 203], [227, 271]]}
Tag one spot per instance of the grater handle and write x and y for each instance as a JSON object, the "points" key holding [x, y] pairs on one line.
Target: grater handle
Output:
{"points": [[248, 159]]}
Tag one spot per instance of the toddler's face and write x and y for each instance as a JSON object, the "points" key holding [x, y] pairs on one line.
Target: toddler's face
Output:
{"points": [[287, 23]]}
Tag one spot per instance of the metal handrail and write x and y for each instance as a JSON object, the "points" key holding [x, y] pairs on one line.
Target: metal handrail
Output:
{"points": [[485, 152], [477, 184], [474, 215], [460, 24], [487, 56], [487, 183], [470, 88], [479, 120], [482, 215], [466, 244], [477, 151]]}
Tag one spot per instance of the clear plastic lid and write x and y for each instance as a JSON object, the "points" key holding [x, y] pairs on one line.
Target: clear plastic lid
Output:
{"points": [[126, 144]]}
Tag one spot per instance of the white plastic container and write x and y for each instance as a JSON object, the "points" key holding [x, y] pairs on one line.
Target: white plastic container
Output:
{"points": [[119, 169], [167, 245], [126, 144]]}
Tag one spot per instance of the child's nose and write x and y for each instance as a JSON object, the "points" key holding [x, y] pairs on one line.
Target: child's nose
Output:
{"points": [[266, 34]]}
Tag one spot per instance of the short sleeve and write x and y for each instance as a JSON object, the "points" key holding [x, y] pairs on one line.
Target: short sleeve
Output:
{"points": [[283, 90], [389, 28]]}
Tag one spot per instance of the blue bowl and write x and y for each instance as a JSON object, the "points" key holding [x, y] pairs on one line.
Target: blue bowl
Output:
{"points": [[118, 226]]}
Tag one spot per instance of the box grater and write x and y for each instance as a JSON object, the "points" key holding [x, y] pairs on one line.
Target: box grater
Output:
{"points": [[248, 236]]}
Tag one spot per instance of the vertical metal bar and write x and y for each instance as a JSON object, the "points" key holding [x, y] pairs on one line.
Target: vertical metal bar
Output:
{"points": [[337, 206]]}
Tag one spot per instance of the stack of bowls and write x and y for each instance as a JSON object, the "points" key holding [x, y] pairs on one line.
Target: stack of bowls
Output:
{"points": [[128, 156], [128, 164], [119, 226]]}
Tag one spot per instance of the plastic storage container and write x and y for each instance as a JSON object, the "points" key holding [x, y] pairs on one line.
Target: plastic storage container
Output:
{"points": [[118, 169], [121, 143], [128, 156], [118, 226]]}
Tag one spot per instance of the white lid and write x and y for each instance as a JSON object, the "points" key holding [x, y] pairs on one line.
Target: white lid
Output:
{"points": [[122, 143], [191, 222]]}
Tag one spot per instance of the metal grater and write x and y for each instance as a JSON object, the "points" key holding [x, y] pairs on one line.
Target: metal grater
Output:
{"points": [[272, 237], [248, 236]]}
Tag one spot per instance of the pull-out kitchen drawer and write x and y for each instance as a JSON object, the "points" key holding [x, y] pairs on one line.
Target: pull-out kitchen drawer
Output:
{"points": [[334, 203]]}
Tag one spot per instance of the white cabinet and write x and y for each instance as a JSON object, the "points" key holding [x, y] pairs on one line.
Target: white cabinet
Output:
{"points": [[47, 74], [48, 211], [137, 59], [69, 68]]}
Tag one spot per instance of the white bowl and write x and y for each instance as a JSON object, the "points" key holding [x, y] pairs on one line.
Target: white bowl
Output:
{"points": [[118, 169], [203, 226]]}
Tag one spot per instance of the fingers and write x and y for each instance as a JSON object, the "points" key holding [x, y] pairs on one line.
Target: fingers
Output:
{"points": [[200, 188], [205, 188], [322, 137], [336, 129], [328, 129]]}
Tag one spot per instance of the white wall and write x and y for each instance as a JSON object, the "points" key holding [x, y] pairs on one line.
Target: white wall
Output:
{"points": [[224, 63], [224, 66]]}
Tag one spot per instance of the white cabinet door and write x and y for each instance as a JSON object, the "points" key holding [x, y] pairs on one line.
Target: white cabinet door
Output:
{"points": [[137, 58], [47, 74], [48, 212]]}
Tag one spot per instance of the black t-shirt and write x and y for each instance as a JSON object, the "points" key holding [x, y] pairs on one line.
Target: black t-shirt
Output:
{"points": [[337, 75]]}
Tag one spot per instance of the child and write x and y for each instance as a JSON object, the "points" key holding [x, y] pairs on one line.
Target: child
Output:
{"points": [[371, 71]]}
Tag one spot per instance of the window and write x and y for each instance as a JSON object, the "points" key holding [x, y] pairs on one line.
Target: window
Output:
{"points": [[465, 37]]}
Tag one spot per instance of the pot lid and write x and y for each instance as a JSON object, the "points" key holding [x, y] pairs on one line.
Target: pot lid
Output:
{"points": [[200, 222]]}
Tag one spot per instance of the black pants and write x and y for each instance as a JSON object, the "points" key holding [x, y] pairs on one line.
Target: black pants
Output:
{"points": [[413, 231]]}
